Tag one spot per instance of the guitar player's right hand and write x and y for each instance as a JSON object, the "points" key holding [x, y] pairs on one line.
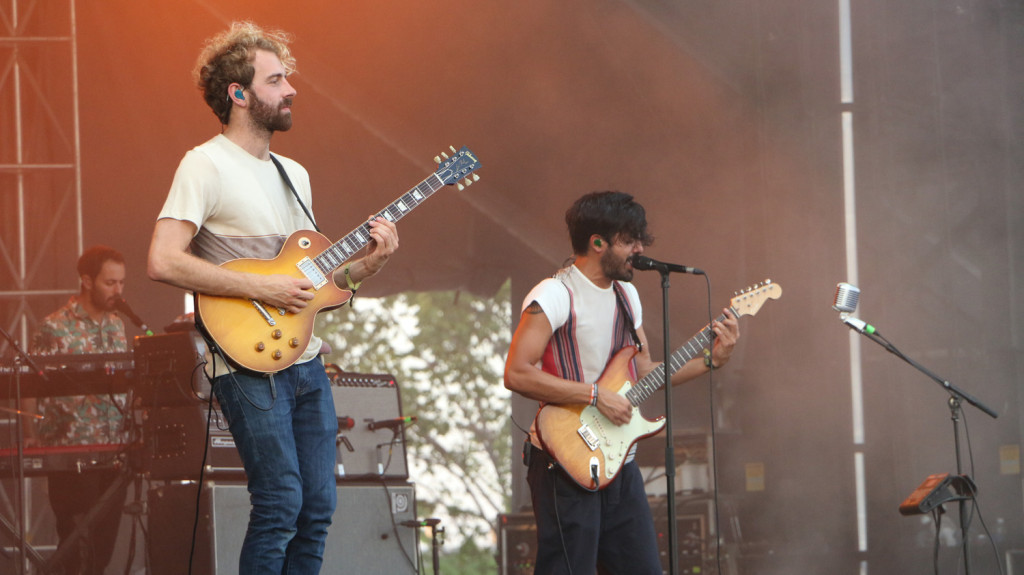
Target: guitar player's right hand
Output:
{"points": [[284, 291], [615, 407]]}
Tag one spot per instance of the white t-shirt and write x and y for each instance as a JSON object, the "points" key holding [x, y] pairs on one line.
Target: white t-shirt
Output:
{"points": [[595, 308], [240, 205]]}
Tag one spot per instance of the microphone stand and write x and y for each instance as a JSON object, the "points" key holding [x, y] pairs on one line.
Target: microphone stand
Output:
{"points": [[670, 452], [955, 395], [19, 354]]}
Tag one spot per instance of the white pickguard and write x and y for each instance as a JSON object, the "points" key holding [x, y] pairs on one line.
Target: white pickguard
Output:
{"points": [[613, 440]]}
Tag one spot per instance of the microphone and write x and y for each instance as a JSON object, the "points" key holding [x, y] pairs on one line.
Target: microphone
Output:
{"points": [[428, 522], [644, 263], [845, 302], [123, 307], [393, 423], [846, 299]]}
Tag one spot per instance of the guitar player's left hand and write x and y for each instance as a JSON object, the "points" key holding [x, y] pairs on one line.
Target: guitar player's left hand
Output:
{"points": [[385, 242], [727, 333]]}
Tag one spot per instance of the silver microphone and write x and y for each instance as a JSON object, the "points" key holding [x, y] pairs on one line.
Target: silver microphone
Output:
{"points": [[847, 296]]}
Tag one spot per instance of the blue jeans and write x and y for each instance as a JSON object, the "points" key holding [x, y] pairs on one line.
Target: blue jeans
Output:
{"points": [[285, 428]]}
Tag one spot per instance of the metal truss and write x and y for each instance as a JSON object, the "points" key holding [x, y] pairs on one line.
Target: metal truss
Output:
{"points": [[40, 162]]}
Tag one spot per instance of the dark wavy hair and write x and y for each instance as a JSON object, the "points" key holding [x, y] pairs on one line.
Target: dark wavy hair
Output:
{"points": [[91, 261], [227, 58], [609, 214]]}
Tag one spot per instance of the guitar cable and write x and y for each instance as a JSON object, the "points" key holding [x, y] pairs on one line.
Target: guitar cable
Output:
{"points": [[714, 436]]}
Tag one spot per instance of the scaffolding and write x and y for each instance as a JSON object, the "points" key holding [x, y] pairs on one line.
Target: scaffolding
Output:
{"points": [[40, 162], [40, 205]]}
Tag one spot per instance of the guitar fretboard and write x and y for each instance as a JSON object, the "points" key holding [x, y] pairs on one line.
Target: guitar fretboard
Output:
{"points": [[654, 380], [343, 250]]}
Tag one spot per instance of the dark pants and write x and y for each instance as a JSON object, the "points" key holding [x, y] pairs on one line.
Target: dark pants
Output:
{"points": [[579, 531], [72, 496]]}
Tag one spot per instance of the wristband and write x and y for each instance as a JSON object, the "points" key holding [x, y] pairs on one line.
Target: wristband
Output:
{"points": [[593, 394], [353, 286]]}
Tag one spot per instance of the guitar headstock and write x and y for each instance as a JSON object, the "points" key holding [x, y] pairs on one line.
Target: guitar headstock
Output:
{"points": [[750, 300], [452, 169]]}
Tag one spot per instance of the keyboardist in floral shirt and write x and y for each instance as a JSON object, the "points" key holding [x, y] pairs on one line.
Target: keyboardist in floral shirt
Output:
{"points": [[87, 324]]}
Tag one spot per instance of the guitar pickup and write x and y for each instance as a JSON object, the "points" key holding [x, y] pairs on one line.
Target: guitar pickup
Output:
{"points": [[589, 437], [312, 273]]}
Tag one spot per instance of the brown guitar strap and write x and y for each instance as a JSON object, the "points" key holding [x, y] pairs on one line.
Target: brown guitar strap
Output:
{"points": [[288, 181]]}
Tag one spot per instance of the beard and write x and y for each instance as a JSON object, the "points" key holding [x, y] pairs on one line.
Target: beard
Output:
{"points": [[270, 118], [615, 267], [105, 304]]}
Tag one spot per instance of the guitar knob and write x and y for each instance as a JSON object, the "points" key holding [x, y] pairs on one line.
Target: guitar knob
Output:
{"points": [[277, 354], [294, 342], [260, 346], [276, 334]]}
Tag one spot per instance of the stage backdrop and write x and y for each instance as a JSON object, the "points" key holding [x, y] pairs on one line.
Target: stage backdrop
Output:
{"points": [[722, 117]]}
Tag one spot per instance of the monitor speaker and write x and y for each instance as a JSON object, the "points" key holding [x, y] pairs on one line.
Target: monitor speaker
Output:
{"points": [[366, 538]]}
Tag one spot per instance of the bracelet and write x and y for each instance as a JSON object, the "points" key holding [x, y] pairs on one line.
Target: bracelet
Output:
{"points": [[593, 394], [707, 359], [353, 286]]}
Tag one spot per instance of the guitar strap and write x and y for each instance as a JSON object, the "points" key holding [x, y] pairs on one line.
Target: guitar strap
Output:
{"points": [[629, 316], [288, 181]]}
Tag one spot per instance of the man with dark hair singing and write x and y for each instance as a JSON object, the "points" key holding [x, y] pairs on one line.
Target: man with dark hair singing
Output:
{"points": [[571, 326], [227, 201]]}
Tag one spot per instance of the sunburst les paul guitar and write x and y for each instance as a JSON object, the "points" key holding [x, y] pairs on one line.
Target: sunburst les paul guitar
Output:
{"points": [[265, 338], [588, 445]]}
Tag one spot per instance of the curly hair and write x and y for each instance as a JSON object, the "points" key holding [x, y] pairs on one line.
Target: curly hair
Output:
{"points": [[227, 59], [609, 214]]}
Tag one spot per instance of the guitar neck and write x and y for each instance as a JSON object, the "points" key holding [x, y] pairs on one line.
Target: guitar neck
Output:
{"points": [[654, 380], [341, 251]]}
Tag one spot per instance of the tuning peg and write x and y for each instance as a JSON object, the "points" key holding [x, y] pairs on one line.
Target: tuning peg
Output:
{"points": [[476, 178], [444, 155], [452, 148], [460, 187], [468, 182], [437, 159]]}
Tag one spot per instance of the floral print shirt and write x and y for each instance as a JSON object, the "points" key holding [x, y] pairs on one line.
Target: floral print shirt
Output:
{"points": [[85, 419]]}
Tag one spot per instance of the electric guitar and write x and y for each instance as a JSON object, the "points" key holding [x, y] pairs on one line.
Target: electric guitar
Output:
{"points": [[265, 338], [588, 445]]}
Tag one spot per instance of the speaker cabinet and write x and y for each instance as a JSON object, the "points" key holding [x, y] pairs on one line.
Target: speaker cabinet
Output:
{"points": [[366, 538], [517, 543], [517, 540]]}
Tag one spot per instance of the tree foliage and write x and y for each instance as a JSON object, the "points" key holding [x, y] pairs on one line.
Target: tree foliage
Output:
{"points": [[446, 350]]}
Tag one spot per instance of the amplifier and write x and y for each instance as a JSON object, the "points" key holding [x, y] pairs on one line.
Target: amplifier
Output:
{"points": [[517, 540], [363, 398], [517, 543], [174, 444], [174, 436]]}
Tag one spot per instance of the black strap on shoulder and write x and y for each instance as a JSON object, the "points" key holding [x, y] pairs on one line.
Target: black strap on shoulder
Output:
{"points": [[288, 181], [629, 317]]}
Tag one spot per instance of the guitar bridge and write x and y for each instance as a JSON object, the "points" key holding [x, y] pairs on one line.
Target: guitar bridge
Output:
{"points": [[589, 437]]}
